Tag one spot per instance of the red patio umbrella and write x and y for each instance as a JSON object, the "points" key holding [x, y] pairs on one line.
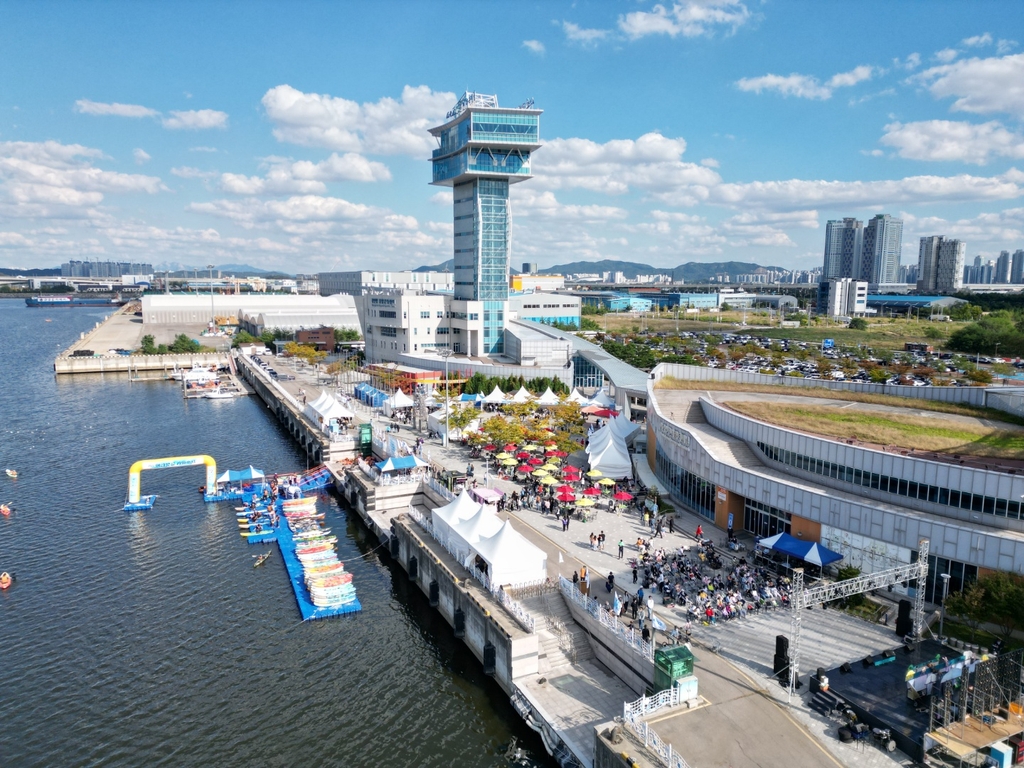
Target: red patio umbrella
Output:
{"points": [[559, 454], [572, 472], [550, 443], [536, 461], [524, 468], [566, 497], [565, 489], [592, 492], [550, 453], [490, 447], [510, 447], [622, 496], [522, 455]]}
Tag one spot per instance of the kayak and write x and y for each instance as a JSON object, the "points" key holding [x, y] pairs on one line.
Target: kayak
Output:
{"points": [[268, 532], [262, 559], [325, 570]]}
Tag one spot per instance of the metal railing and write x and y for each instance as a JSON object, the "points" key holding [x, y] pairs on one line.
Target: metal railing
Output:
{"points": [[445, 493], [645, 705], [653, 743], [629, 637], [515, 609], [527, 589], [368, 470]]}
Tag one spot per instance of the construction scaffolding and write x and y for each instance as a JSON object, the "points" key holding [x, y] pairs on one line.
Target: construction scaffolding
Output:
{"points": [[801, 597]]}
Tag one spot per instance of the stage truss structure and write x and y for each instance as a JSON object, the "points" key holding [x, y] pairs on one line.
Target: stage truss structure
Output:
{"points": [[802, 596]]}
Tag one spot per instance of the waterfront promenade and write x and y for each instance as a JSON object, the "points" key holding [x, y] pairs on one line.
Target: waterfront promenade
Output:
{"points": [[745, 705]]}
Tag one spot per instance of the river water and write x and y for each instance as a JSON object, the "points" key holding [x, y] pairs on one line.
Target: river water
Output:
{"points": [[149, 639]]}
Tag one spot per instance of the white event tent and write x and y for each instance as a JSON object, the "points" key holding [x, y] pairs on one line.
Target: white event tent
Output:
{"points": [[496, 397], [443, 518], [613, 460], [397, 400], [600, 439], [521, 396], [325, 408], [623, 427], [510, 558], [548, 398], [602, 399], [576, 397], [466, 533]]}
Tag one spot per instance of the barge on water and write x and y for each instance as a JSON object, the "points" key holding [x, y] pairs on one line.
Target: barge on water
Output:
{"points": [[75, 301]]}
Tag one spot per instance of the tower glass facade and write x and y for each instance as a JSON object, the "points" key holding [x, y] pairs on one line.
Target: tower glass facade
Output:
{"points": [[482, 149]]}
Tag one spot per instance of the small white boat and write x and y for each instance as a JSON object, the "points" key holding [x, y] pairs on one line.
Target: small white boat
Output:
{"points": [[12, 473], [219, 394]]}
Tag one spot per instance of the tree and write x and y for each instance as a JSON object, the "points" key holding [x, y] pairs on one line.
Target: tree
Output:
{"points": [[1004, 600], [148, 345], [461, 416], [965, 311], [242, 337], [346, 334], [845, 573], [969, 606], [500, 430], [182, 344], [858, 324]]}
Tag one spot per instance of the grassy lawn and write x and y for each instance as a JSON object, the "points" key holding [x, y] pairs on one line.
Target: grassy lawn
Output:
{"points": [[960, 631], [913, 432], [992, 414]]}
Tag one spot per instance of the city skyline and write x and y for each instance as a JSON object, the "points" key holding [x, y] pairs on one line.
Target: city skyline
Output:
{"points": [[692, 131]]}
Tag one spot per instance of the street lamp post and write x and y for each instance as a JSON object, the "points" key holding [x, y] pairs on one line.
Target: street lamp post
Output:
{"points": [[446, 353], [942, 614], [213, 312]]}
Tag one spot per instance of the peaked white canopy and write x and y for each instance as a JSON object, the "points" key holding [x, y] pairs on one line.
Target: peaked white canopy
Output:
{"points": [[548, 398], [521, 396], [461, 508], [602, 399], [510, 558], [623, 427], [466, 533], [600, 439], [576, 397], [325, 408], [612, 461], [496, 396], [401, 400]]}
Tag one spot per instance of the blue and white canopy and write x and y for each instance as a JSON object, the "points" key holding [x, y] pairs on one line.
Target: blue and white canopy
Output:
{"points": [[239, 475], [807, 551]]}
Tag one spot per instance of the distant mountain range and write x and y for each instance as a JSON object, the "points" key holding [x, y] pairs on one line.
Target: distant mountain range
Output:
{"points": [[444, 266], [30, 272], [691, 272]]}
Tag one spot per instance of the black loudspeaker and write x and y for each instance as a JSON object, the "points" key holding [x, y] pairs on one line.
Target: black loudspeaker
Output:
{"points": [[815, 680], [890, 654], [846, 669], [781, 645], [909, 648], [904, 622], [868, 661], [780, 667]]}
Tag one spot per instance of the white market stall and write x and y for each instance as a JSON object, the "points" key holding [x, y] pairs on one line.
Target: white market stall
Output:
{"points": [[510, 558], [612, 461]]}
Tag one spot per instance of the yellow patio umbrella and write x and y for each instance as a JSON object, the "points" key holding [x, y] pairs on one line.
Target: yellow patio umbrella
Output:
{"points": [[585, 503], [595, 473], [509, 462], [540, 473], [531, 447], [503, 456], [549, 467], [548, 480], [606, 481]]}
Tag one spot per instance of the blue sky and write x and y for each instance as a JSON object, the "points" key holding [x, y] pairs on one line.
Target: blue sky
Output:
{"points": [[293, 135]]}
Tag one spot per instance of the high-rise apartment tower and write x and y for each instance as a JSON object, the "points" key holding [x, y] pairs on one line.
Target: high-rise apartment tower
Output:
{"points": [[843, 245], [940, 265], [883, 241]]}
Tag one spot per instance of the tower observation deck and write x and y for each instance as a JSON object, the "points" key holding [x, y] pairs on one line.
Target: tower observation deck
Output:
{"points": [[482, 148]]}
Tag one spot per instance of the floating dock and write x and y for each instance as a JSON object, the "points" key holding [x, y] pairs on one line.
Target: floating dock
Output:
{"points": [[297, 577]]}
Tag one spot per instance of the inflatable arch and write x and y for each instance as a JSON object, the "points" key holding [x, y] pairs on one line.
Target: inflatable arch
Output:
{"points": [[135, 481]]}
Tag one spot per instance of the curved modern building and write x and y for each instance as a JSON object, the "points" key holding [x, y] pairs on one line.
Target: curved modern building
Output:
{"points": [[870, 503]]}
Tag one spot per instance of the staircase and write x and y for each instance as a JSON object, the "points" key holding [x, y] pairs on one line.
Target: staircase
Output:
{"points": [[562, 640]]}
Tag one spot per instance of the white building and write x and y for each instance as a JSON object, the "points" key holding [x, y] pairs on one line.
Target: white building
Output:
{"points": [[254, 312], [844, 297], [359, 283]]}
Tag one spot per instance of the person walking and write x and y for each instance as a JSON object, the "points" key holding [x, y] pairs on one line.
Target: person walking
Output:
{"points": [[600, 541], [634, 575], [700, 531], [671, 524], [622, 549]]}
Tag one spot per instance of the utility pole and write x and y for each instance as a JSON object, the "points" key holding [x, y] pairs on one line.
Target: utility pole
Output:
{"points": [[446, 353]]}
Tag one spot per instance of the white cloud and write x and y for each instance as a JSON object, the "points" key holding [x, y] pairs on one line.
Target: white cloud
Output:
{"points": [[709, 162], [141, 156], [801, 86], [196, 120], [981, 86], [913, 61], [806, 86], [54, 174], [946, 55], [87, 107], [534, 46], [577, 34], [694, 18], [13, 240], [978, 41], [203, 149], [949, 140], [854, 76], [794, 194], [544, 205], [996, 228], [1005, 46], [187, 172], [385, 127], [286, 177], [652, 163]]}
